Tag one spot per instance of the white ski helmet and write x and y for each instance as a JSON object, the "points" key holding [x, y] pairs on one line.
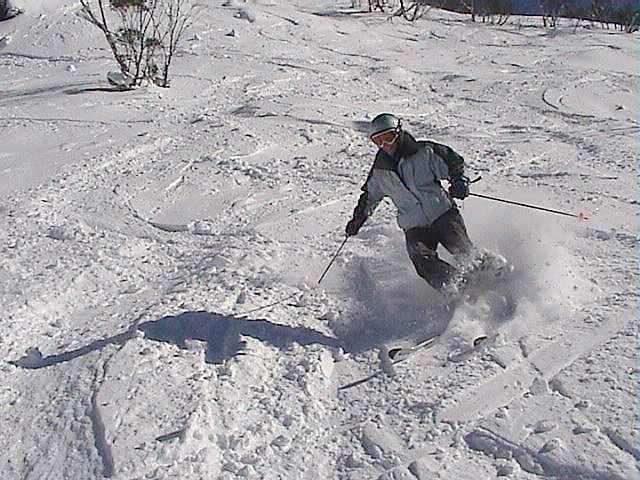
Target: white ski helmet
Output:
{"points": [[384, 122]]}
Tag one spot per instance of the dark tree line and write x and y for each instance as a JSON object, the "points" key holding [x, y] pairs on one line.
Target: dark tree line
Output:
{"points": [[622, 14], [619, 14]]}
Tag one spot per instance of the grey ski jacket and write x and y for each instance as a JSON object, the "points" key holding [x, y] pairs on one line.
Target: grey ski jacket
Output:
{"points": [[411, 178]]}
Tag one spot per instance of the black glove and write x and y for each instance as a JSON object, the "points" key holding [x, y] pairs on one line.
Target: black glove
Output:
{"points": [[459, 187], [354, 225]]}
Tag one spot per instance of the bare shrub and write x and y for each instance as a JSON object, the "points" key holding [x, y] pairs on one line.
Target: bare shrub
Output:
{"points": [[551, 11], [169, 25], [143, 34], [413, 10], [498, 11], [380, 5], [602, 12], [628, 16], [477, 8]]}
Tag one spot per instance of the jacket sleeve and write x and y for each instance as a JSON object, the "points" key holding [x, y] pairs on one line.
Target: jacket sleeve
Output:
{"points": [[370, 197], [449, 164]]}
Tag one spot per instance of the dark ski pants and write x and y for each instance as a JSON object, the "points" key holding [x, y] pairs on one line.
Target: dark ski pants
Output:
{"points": [[422, 245]]}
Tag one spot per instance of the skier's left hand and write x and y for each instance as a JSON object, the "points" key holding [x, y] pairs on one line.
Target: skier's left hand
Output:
{"points": [[354, 225], [459, 187]]}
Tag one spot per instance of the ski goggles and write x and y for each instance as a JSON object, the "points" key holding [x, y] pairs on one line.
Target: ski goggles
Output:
{"points": [[386, 138]]}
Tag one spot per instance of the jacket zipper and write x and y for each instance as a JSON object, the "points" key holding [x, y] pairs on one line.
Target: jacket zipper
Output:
{"points": [[397, 172]]}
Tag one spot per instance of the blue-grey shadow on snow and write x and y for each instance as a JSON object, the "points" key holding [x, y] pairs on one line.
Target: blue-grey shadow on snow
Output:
{"points": [[222, 334], [398, 305]]}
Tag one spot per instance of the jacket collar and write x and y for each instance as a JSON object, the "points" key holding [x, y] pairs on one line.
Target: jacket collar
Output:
{"points": [[408, 146]]}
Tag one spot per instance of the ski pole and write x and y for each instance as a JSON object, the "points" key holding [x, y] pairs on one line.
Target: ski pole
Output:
{"points": [[284, 299], [580, 216], [333, 260]]}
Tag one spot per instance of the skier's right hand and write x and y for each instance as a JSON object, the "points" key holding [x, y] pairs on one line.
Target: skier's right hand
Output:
{"points": [[354, 225], [459, 187]]}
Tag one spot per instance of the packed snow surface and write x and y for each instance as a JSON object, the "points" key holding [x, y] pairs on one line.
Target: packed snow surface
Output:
{"points": [[143, 233]]}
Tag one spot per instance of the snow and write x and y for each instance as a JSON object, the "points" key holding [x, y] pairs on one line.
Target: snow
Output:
{"points": [[161, 250]]}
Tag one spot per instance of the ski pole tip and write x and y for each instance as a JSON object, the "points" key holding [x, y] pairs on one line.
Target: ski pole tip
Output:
{"points": [[582, 216]]}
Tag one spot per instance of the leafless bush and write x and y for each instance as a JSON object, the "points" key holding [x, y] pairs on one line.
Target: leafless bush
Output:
{"points": [[169, 26], [551, 11], [143, 34], [414, 11], [602, 12], [498, 11], [577, 11], [380, 5], [628, 16]]}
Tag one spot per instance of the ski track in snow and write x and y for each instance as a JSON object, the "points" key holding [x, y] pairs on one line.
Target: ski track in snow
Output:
{"points": [[161, 251]]}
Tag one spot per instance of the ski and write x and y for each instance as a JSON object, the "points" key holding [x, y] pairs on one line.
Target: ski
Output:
{"points": [[400, 353], [389, 358], [480, 344]]}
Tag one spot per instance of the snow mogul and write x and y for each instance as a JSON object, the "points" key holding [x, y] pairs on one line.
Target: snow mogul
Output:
{"points": [[409, 172]]}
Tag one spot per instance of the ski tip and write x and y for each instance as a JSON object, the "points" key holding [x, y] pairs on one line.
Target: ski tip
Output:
{"points": [[478, 340], [393, 352]]}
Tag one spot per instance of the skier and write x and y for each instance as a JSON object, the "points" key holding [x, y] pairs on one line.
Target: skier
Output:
{"points": [[409, 172]]}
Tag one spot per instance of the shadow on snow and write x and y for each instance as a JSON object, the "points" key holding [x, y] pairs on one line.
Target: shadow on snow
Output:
{"points": [[222, 334]]}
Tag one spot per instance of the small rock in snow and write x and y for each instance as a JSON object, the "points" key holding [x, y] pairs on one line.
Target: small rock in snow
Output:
{"points": [[146, 351], [582, 404], [247, 14], [551, 445], [528, 463], [602, 235], [527, 345], [503, 412], [584, 428], [539, 386], [329, 315], [561, 387], [246, 472], [288, 420], [505, 470], [280, 441], [386, 365], [353, 462], [58, 233], [230, 467], [250, 459], [544, 426], [232, 33], [195, 345], [326, 364], [420, 469], [242, 298], [338, 354], [302, 301]]}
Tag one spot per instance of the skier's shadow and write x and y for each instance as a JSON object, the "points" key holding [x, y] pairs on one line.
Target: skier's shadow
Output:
{"points": [[222, 334], [392, 312]]}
